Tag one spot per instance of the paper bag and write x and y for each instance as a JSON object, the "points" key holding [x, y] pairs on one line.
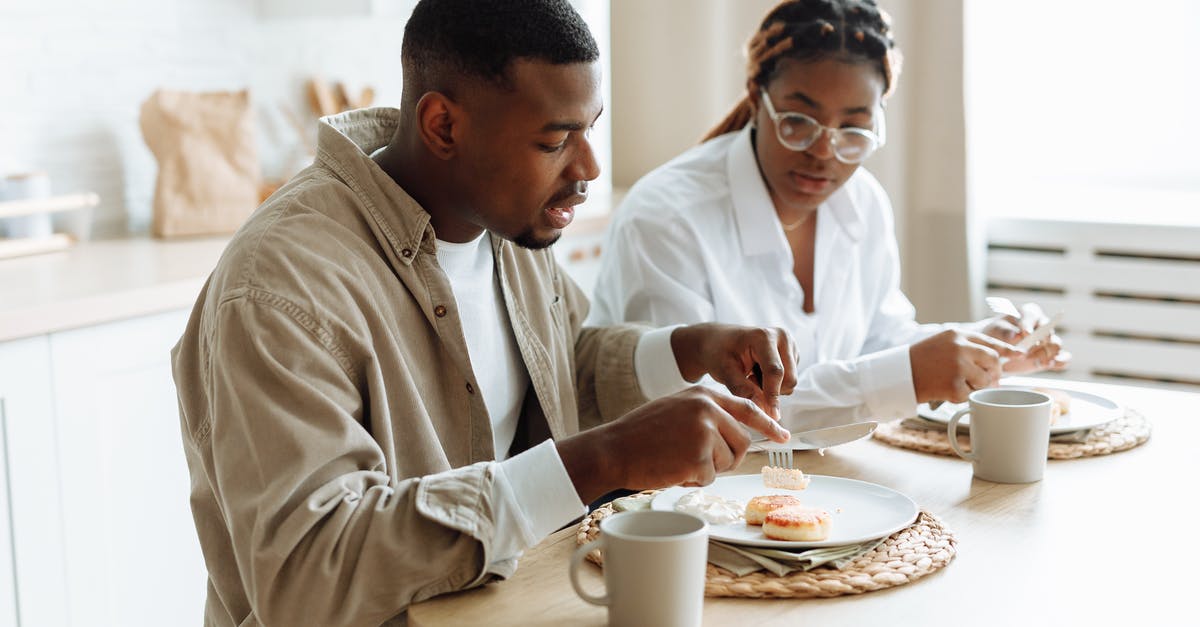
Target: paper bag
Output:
{"points": [[208, 169]]}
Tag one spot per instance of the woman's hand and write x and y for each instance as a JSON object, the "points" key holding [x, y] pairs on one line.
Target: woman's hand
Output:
{"points": [[952, 364], [1045, 355]]}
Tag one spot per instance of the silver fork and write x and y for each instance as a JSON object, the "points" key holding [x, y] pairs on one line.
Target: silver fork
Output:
{"points": [[779, 458]]}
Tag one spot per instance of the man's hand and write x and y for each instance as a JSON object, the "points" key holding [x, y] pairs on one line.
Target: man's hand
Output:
{"points": [[686, 438], [952, 364], [754, 363], [1046, 355]]}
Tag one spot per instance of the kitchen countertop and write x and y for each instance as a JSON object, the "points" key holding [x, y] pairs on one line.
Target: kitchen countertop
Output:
{"points": [[108, 280], [102, 281]]}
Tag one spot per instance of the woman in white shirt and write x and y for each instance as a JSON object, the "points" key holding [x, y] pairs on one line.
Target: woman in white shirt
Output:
{"points": [[771, 221]]}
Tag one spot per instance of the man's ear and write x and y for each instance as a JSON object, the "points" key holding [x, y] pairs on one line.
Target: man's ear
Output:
{"points": [[437, 119]]}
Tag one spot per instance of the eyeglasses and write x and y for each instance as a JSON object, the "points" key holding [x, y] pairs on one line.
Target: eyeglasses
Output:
{"points": [[798, 132]]}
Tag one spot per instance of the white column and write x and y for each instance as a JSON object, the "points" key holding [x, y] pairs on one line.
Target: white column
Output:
{"points": [[597, 15]]}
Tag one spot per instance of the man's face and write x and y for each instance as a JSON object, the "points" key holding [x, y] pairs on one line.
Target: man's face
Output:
{"points": [[838, 95], [524, 157]]}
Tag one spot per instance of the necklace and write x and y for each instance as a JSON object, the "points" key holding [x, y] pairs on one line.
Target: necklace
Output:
{"points": [[794, 225]]}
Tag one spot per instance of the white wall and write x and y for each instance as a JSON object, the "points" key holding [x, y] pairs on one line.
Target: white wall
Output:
{"points": [[1092, 117], [73, 74], [678, 68]]}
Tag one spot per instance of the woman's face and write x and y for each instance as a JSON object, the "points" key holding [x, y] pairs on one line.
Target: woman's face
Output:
{"points": [[838, 94]]}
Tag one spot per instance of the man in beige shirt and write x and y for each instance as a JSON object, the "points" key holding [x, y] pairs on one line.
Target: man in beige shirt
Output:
{"points": [[386, 391]]}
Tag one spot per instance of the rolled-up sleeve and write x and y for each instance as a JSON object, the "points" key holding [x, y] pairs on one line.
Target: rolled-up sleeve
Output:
{"points": [[533, 497], [657, 369]]}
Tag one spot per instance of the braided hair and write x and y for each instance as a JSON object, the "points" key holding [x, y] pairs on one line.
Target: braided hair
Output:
{"points": [[807, 30]]}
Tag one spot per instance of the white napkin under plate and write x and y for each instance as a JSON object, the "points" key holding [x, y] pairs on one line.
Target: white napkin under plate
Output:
{"points": [[742, 560]]}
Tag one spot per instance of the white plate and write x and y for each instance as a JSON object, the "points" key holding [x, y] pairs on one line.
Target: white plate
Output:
{"points": [[861, 511], [1087, 410]]}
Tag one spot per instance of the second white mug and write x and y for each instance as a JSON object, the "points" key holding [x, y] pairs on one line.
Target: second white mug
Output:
{"points": [[1010, 434]]}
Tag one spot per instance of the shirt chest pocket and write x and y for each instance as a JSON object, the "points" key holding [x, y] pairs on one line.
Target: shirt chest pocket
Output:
{"points": [[558, 310]]}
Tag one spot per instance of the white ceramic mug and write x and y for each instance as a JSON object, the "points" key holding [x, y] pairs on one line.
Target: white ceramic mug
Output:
{"points": [[26, 186], [654, 563], [1010, 434]]}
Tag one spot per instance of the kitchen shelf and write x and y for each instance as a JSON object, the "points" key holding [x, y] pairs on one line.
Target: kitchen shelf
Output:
{"points": [[53, 204], [11, 247]]}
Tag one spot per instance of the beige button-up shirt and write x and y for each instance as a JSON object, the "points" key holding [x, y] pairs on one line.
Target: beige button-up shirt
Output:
{"points": [[340, 453]]}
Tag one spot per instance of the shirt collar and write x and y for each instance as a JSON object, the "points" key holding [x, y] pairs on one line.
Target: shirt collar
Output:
{"points": [[344, 145], [758, 227]]}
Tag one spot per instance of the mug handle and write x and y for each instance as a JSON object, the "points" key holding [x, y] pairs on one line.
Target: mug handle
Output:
{"points": [[952, 432], [576, 560]]}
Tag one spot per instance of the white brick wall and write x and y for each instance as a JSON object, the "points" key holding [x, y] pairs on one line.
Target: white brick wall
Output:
{"points": [[73, 75]]}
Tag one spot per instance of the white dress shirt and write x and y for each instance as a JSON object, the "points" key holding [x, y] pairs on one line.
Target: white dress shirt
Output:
{"points": [[698, 240], [532, 495]]}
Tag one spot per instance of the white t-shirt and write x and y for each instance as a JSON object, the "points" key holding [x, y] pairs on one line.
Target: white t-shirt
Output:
{"points": [[698, 240], [532, 494], [491, 344]]}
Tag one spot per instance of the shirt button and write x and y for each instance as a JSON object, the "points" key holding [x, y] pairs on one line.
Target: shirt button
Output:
{"points": [[439, 311], [470, 388], [406, 253]]}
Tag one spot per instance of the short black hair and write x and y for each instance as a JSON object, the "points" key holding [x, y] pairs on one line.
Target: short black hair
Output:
{"points": [[481, 39]]}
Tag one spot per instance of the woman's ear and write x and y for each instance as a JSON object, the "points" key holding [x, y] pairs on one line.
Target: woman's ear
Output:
{"points": [[437, 120]]}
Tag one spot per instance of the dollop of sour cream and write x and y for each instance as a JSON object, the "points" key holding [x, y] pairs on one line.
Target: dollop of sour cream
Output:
{"points": [[712, 508]]}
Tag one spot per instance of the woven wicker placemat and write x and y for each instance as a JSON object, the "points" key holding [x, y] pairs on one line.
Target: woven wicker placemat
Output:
{"points": [[921, 548], [1122, 434]]}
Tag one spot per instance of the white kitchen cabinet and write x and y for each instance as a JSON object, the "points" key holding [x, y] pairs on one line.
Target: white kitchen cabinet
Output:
{"points": [[95, 524], [131, 552], [32, 575]]}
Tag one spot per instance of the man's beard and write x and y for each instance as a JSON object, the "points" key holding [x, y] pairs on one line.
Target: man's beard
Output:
{"points": [[528, 240]]}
